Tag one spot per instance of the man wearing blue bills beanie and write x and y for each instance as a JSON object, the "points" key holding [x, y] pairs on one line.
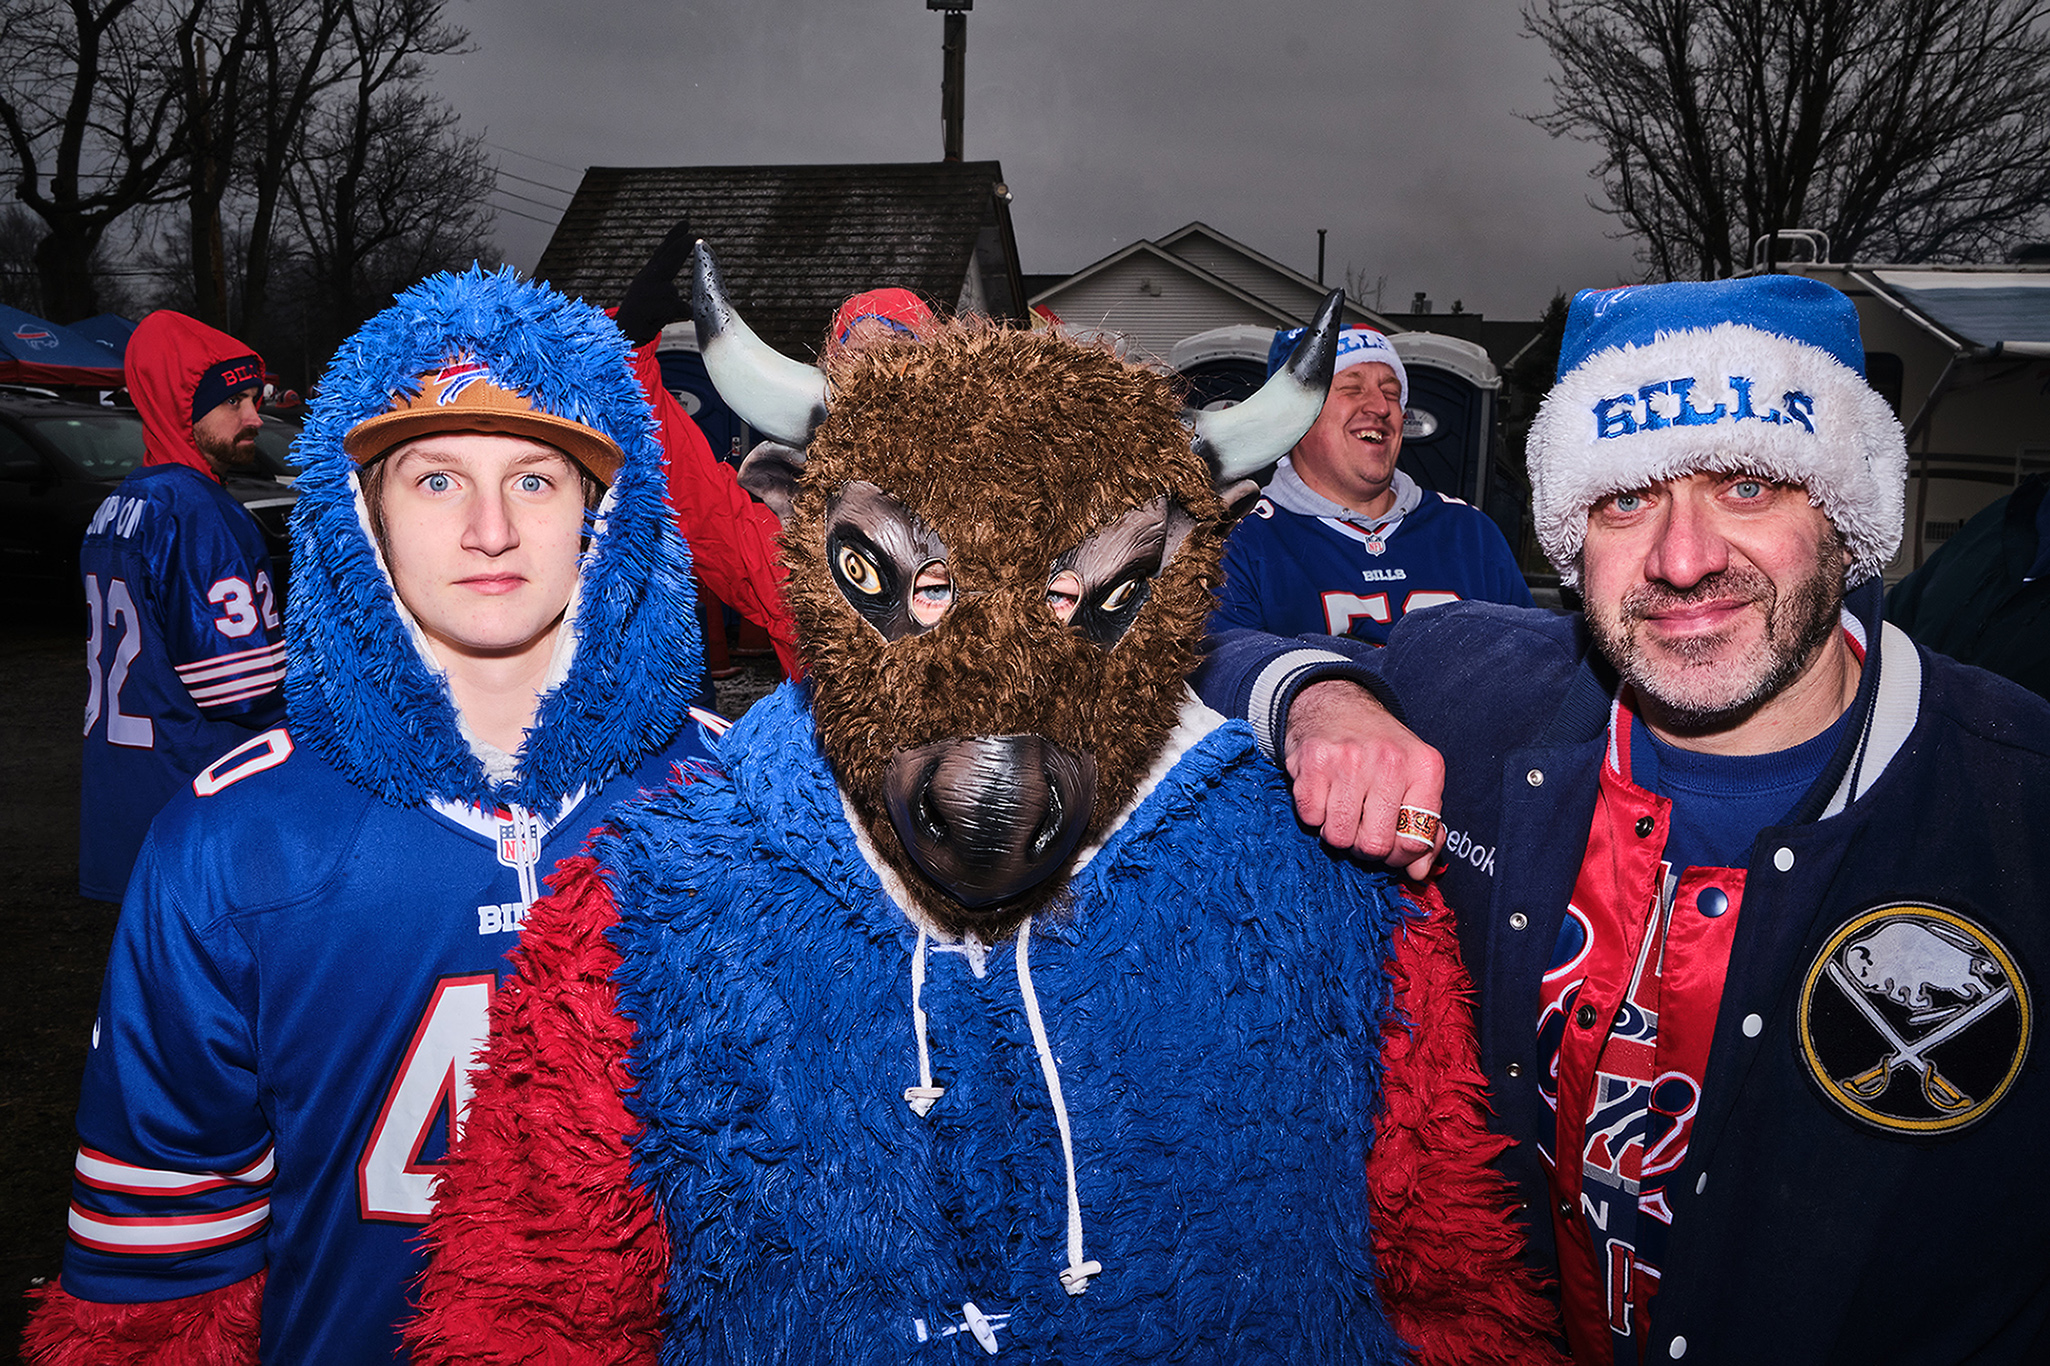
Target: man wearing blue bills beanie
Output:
{"points": [[1752, 887], [1341, 539]]}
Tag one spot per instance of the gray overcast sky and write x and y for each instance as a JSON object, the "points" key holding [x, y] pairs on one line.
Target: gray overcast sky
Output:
{"points": [[1394, 123]]}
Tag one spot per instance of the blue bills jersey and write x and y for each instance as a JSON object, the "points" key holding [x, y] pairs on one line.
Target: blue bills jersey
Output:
{"points": [[298, 984], [1288, 574], [185, 651]]}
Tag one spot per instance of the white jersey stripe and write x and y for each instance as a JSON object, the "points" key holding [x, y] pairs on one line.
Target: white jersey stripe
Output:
{"points": [[236, 690], [184, 1233], [270, 658], [102, 1172], [253, 652], [195, 686], [711, 721], [203, 695]]}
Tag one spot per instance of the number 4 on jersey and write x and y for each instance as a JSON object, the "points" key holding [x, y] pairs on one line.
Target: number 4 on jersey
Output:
{"points": [[394, 1182]]}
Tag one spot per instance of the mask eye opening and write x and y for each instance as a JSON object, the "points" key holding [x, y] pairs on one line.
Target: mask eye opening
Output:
{"points": [[1063, 592], [932, 593]]}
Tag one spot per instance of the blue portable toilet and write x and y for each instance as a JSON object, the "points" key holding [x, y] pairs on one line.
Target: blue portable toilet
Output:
{"points": [[1451, 433], [1223, 366], [683, 374]]}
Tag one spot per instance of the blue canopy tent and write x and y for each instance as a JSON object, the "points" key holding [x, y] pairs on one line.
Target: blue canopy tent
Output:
{"points": [[33, 351], [110, 330]]}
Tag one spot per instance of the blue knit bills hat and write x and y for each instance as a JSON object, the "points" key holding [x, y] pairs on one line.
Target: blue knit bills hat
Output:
{"points": [[1764, 375], [1356, 346]]}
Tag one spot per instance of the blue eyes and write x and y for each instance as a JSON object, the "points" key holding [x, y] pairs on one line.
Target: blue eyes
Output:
{"points": [[441, 481], [1740, 490]]}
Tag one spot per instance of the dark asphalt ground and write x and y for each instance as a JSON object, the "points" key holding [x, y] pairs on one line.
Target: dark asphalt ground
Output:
{"points": [[56, 947]]}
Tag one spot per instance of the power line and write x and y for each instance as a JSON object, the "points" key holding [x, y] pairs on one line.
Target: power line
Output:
{"points": [[539, 204], [542, 183], [531, 157], [544, 222]]}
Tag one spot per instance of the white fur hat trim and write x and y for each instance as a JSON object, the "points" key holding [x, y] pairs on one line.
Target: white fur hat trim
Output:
{"points": [[1729, 399]]}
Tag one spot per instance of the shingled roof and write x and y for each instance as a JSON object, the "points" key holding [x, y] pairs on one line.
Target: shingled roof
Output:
{"points": [[795, 241]]}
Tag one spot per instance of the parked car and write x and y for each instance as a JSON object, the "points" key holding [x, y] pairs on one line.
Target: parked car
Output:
{"points": [[274, 448], [58, 462]]}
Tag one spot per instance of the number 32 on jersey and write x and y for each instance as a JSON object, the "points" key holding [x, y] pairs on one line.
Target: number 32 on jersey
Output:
{"points": [[423, 1108]]}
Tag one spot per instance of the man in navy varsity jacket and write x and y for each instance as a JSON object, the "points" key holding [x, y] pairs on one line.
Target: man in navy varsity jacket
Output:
{"points": [[1343, 541], [1754, 889]]}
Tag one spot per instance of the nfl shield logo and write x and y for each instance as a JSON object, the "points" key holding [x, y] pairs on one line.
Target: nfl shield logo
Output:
{"points": [[519, 838]]}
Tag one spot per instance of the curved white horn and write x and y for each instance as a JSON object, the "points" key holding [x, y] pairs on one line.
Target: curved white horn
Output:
{"points": [[1236, 441], [783, 399]]}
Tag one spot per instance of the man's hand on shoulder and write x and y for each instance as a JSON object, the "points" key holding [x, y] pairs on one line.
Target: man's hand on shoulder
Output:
{"points": [[1354, 767]]}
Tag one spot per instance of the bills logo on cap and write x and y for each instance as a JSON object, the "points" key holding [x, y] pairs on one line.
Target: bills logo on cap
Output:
{"points": [[451, 379], [28, 334], [1354, 340], [1914, 1019]]}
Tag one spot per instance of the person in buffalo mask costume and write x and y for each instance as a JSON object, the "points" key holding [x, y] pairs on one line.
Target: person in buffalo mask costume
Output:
{"points": [[979, 1007]]}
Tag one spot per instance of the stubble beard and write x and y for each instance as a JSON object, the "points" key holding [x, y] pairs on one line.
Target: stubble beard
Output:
{"points": [[1693, 683]]}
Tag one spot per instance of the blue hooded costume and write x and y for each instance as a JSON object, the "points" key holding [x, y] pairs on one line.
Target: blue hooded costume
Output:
{"points": [[303, 970]]}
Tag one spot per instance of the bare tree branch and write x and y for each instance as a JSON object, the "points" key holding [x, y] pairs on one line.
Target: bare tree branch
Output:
{"points": [[1908, 130], [91, 119]]}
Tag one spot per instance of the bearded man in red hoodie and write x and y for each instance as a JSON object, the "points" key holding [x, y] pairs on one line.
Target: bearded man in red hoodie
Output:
{"points": [[186, 647]]}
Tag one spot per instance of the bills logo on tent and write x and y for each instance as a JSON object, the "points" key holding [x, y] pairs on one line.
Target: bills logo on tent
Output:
{"points": [[451, 379], [28, 334]]}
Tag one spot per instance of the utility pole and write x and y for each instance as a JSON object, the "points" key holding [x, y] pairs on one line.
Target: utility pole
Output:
{"points": [[954, 55], [209, 252]]}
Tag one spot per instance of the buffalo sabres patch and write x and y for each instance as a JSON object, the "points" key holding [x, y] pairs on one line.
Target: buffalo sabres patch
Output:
{"points": [[1915, 1020]]}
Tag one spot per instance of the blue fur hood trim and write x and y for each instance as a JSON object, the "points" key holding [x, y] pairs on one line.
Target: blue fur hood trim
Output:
{"points": [[356, 684]]}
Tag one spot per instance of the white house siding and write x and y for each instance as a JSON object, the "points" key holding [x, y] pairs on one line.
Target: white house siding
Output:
{"points": [[1151, 323], [1287, 294]]}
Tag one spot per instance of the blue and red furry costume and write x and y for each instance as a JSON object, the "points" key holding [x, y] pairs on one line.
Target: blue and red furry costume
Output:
{"points": [[750, 1098]]}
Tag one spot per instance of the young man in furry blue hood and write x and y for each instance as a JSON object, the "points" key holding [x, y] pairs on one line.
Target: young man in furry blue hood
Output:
{"points": [[492, 640], [975, 1007]]}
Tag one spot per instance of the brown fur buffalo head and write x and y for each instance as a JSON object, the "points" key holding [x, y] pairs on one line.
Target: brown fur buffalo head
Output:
{"points": [[1002, 551]]}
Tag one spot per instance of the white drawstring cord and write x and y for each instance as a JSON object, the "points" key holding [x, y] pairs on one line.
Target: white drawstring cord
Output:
{"points": [[921, 1096], [1075, 1275], [526, 843]]}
